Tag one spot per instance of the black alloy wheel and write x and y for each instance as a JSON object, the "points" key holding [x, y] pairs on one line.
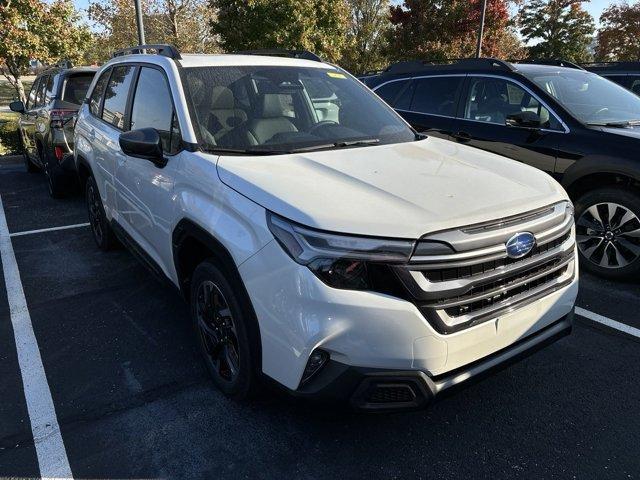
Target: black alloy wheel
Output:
{"points": [[217, 331], [226, 330], [102, 233], [608, 232]]}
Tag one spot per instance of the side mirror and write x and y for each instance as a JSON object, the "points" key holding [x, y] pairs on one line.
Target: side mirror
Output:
{"points": [[144, 143], [17, 106], [524, 119]]}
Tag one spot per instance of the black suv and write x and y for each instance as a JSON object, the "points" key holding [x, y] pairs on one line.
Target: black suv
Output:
{"points": [[577, 126], [626, 74], [47, 121]]}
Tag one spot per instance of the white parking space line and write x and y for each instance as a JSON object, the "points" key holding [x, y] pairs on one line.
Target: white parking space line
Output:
{"points": [[594, 317], [50, 450], [52, 229]]}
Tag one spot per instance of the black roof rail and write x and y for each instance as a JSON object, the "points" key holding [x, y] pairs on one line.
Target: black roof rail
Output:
{"points": [[165, 50], [410, 66], [277, 52], [554, 62], [621, 65]]}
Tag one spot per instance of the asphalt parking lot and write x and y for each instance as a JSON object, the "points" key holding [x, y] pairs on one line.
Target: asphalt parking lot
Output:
{"points": [[133, 400]]}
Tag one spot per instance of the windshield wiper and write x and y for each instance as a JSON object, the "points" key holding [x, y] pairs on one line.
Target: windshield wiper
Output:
{"points": [[240, 151], [621, 124], [340, 144]]}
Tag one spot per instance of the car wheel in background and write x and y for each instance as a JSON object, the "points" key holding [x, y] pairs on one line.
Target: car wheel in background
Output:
{"points": [[222, 321], [102, 233], [608, 232], [55, 180], [29, 165]]}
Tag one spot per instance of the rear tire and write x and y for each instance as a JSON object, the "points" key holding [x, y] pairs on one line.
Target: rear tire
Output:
{"points": [[608, 232], [102, 232], [225, 329]]}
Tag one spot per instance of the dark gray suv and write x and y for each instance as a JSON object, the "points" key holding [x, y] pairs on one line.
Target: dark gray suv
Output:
{"points": [[47, 121]]}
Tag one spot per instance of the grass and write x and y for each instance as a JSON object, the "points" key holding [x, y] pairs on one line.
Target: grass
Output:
{"points": [[8, 94], [9, 139]]}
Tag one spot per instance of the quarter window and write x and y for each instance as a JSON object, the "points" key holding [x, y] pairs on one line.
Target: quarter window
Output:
{"points": [[152, 108], [115, 97], [492, 100], [436, 95], [98, 92]]}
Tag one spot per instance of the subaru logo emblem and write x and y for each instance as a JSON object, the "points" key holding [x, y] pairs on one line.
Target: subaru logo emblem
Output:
{"points": [[520, 244]]}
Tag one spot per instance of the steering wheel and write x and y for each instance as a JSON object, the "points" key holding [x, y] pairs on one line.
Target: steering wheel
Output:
{"points": [[322, 124]]}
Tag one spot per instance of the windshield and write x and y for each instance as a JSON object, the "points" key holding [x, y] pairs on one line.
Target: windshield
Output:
{"points": [[589, 97], [285, 109]]}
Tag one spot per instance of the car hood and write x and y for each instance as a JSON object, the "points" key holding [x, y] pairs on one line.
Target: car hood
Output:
{"points": [[401, 190]]}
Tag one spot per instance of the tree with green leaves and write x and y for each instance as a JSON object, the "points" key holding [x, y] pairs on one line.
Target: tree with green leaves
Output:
{"points": [[37, 30], [557, 29], [367, 35], [316, 25], [619, 34], [439, 30]]}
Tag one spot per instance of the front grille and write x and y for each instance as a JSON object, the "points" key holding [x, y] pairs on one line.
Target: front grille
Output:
{"points": [[500, 291], [444, 274], [479, 281]]}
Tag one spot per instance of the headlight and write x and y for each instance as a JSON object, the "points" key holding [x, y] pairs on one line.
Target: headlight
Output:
{"points": [[341, 261]]}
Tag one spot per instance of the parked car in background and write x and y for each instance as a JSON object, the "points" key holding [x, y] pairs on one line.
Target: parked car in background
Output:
{"points": [[320, 240], [575, 125], [625, 74], [47, 121]]}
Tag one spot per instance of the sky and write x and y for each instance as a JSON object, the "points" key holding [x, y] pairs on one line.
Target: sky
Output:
{"points": [[594, 7]]}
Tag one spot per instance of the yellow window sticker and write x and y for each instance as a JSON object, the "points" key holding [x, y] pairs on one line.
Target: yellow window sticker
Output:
{"points": [[336, 75]]}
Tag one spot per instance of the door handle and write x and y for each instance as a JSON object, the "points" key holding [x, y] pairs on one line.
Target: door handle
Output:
{"points": [[462, 137]]}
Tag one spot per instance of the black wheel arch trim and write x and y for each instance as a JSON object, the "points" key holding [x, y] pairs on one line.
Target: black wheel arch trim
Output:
{"points": [[597, 164], [187, 228]]}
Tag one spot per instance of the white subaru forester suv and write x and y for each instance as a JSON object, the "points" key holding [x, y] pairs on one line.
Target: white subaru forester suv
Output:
{"points": [[320, 241]]}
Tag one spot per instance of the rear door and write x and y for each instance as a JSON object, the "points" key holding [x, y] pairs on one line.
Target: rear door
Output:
{"points": [[429, 103], [107, 122], [487, 102]]}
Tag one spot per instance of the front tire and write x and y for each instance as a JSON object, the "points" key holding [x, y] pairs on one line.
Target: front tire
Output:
{"points": [[223, 322], [102, 232], [608, 232]]}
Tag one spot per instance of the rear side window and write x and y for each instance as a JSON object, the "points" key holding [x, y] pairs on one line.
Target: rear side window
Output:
{"points": [[98, 92], [152, 108], [436, 95], [42, 86], [389, 92], [31, 100], [75, 88], [635, 84], [115, 97]]}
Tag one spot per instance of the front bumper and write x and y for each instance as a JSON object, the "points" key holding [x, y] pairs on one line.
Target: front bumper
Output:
{"points": [[298, 313], [374, 389]]}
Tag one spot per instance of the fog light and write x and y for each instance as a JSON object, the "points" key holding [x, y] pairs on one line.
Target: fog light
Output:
{"points": [[316, 361]]}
